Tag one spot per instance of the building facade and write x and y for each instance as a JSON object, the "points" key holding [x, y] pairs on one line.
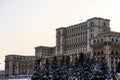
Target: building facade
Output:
{"points": [[19, 65], [77, 38], [93, 37], [107, 45], [44, 51]]}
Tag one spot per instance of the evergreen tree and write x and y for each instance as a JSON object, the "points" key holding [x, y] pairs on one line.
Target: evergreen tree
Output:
{"points": [[76, 62], [68, 61], [54, 62], [47, 63], [81, 57], [62, 61], [118, 68], [105, 69], [81, 68], [36, 75]]}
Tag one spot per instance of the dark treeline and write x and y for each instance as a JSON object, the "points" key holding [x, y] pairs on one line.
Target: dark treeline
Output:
{"points": [[81, 68]]}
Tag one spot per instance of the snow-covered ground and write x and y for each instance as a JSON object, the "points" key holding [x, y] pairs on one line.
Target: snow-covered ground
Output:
{"points": [[118, 74], [20, 79], [17, 79]]}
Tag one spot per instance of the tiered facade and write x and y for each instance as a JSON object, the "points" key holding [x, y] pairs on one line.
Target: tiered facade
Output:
{"points": [[19, 65], [107, 45], [93, 38], [77, 38], [43, 51]]}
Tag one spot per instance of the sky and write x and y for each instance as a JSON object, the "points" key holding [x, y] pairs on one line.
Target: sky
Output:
{"points": [[25, 24]]}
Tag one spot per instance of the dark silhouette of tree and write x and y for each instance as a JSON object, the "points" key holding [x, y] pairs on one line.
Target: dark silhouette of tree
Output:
{"points": [[76, 62], [80, 68], [67, 61], [81, 57], [54, 63], [118, 68], [62, 63], [36, 75], [47, 63]]}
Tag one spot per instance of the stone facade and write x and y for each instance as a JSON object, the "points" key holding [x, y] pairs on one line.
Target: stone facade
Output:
{"points": [[77, 38], [93, 38], [107, 45], [44, 51], [19, 65]]}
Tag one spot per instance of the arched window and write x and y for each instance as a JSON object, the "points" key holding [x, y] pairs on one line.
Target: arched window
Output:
{"points": [[112, 53], [102, 52], [101, 40], [98, 53], [91, 23], [104, 24], [98, 40], [116, 53], [14, 58], [116, 40], [13, 65], [94, 54], [112, 40], [94, 41]]}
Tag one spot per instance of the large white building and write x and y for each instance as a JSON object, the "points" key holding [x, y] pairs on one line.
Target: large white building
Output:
{"points": [[77, 38], [92, 37]]}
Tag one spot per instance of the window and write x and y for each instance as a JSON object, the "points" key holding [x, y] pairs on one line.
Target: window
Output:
{"points": [[91, 35], [91, 24], [104, 24], [94, 53], [104, 30], [112, 40], [101, 40], [116, 62], [116, 40], [112, 52], [102, 52], [98, 53], [98, 41], [94, 41], [14, 57], [116, 53]]}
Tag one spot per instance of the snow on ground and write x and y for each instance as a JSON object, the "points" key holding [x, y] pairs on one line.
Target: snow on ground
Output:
{"points": [[118, 74], [20, 79]]}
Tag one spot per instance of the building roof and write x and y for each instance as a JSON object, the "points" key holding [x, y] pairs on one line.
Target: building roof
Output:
{"points": [[44, 47]]}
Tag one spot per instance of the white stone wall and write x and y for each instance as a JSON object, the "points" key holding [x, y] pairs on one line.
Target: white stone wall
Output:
{"points": [[77, 38]]}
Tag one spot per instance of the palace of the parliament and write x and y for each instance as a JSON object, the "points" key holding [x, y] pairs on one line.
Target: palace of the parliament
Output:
{"points": [[93, 37]]}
